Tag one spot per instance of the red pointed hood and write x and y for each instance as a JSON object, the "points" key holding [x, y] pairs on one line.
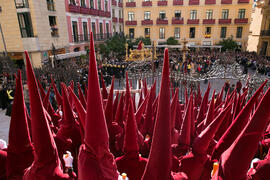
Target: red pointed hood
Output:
{"points": [[130, 142], [81, 96], [109, 106], [145, 91], [235, 161], [202, 142], [128, 95], [104, 89], [19, 139], [141, 110], [46, 155], [115, 104], [95, 159], [173, 107], [203, 107], [161, 144], [237, 126], [184, 138], [210, 114], [119, 117], [41, 90], [80, 109], [57, 94], [20, 152]]}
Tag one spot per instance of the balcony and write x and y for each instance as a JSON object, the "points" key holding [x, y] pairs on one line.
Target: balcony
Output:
{"points": [[114, 19], [209, 21], [120, 4], [194, 2], [243, 1], [226, 1], [81, 38], [162, 21], [147, 3], [241, 21], [147, 22], [93, 12], [210, 1], [265, 33], [178, 2], [130, 4], [206, 36], [193, 21], [84, 10], [107, 14], [21, 4], [54, 32], [177, 20], [114, 3], [50, 6], [131, 23], [121, 20], [101, 13], [225, 21], [162, 3], [74, 8]]}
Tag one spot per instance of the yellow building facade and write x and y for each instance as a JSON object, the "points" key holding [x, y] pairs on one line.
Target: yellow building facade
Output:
{"points": [[35, 26], [264, 39], [201, 22]]}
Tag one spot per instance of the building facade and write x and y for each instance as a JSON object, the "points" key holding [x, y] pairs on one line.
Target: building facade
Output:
{"points": [[264, 39], [84, 16], [201, 22], [37, 26], [117, 16]]}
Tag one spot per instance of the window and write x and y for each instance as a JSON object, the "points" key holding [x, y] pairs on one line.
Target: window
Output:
{"points": [[130, 16], [25, 24], [239, 32], [120, 14], [177, 33], [85, 31], [107, 30], [241, 13], [225, 13], [101, 30], [177, 14], [207, 32], [21, 3], [94, 30], [106, 5], [209, 14], [130, 0], [223, 32], [114, 29], [113, 13], [162, 33], [91, 4], [73, 2], [147, 32], [192, 32], [99, 4], [83, 3], [53, 24], [120, 28], [193, 14], [75, 31], [50, 5], [146, 0], [131, 33], [147, 15], [162, 15]]}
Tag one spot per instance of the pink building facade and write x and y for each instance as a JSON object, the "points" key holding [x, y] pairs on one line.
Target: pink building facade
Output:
{"points": [[85, 16]]}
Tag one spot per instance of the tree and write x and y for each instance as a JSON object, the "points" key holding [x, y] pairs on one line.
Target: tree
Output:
{"points": [[228, 44], [172, 41], [146, 41]]}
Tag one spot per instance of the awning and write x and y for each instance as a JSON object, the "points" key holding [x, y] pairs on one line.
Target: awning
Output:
{"points": [[70, 55]]}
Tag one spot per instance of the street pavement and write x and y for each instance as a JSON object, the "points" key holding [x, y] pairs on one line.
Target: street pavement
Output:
{"points": [[4, 125]]}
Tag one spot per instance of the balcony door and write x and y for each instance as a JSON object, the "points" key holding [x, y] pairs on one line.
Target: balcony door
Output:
{"points": [[75, 31], [85, 31]]}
